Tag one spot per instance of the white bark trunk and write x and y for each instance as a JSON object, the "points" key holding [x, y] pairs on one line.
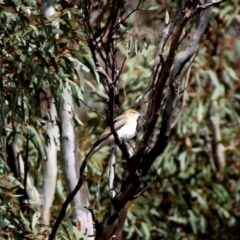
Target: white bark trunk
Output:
{"points": [[82, 219], [49, 166]]}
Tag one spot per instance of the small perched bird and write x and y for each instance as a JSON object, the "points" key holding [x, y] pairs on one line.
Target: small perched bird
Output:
{"points": [[125, 126]]}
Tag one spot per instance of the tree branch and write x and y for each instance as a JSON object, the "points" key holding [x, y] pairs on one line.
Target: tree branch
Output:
{"points": [[65, 205], [93, 89], [133, 181], [178, 66]]}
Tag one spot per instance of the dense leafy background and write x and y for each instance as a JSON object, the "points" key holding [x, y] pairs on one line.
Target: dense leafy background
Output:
{"points": [[189, 198]]}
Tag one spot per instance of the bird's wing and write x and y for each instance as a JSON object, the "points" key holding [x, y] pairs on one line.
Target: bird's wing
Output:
{"points": [[118, 123]]}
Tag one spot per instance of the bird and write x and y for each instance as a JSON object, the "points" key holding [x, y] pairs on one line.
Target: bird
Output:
{"points": [[125, 126]]}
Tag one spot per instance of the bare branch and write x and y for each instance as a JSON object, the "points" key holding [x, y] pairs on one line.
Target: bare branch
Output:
{"points": [[163, 37], [93, 110], [107, 81], [93, 89], [200, 8], [144, 189], [183, 105], [175, 73], [133, 181]]}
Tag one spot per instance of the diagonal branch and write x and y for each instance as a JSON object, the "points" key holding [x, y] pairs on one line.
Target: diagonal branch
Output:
{"points": [[167, 115], [132, 182]]}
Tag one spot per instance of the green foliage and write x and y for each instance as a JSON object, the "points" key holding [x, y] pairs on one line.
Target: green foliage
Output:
{"points": [[13, 223], [17, 223], [33, 60], [189, 199]]}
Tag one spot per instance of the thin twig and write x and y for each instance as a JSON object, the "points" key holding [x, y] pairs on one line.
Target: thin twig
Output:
{"points": [[101, 71], [144, 189], [97, 92], [111, 113], [200, 8], [92, 109], [183, 105]]}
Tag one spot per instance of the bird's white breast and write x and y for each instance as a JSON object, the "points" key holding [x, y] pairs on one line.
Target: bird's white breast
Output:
{"points": [[128, 131], [125, 132]]}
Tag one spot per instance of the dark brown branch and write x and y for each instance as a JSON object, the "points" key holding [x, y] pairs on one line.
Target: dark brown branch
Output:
{"points": [[67, 202], [167, 115], [120, 144], [106, 81], [122, 218], [144, 189], [133, 181], [91, 210], [141, 162], [158, 62], [158, 92], [111, 113], [200, 8]]}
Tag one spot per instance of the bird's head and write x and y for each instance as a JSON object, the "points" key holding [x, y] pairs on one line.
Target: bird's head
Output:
{"points": [[132, 112]]}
